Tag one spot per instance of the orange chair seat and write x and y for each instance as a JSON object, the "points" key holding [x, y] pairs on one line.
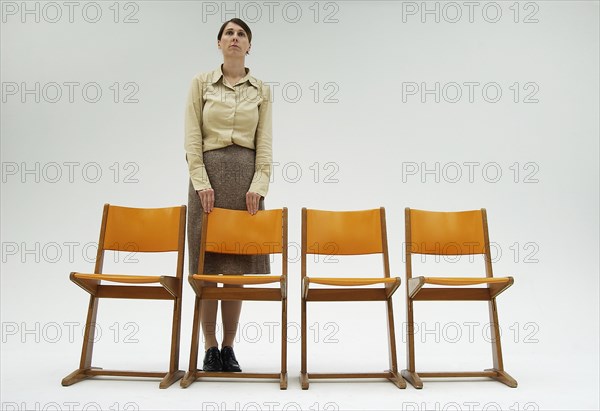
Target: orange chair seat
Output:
{"points": [[349, 282], [458, 281], [120, 278], [238, 279]]}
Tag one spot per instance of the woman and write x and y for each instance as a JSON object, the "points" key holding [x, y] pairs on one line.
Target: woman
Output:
{"points": [[228, 151]]}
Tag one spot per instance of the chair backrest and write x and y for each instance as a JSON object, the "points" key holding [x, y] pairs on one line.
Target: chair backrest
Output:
{"points": [[446, 233], [344, 233], [239, 232], [142, 230]]}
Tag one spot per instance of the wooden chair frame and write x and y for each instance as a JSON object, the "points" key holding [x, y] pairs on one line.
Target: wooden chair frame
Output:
{"points": [[239, 294], [455, 290], [168, 288], [354, 290]]}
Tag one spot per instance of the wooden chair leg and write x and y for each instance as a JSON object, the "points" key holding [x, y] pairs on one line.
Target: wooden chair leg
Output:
{"points": [[397, 379], [174, 373], [175, 336], [304, 383], [74, 377], [170, 379], [413, 378], [410, 373], [283, 381], [190, 375], [502, 376], [496, 345], [303, 372], [87, 349], [283, 378], [90, 333]]}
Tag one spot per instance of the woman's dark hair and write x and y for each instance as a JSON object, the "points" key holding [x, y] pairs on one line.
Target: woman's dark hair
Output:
{"points": [[240, 23]]}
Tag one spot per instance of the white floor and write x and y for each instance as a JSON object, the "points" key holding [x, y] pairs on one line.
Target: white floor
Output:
{"points": [[31, 380]]}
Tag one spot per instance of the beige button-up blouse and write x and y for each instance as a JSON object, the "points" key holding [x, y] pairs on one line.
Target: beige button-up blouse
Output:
{"points": [[218, 115]]}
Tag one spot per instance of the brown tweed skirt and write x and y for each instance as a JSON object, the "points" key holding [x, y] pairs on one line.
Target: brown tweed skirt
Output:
{"points": [[230, 170]]}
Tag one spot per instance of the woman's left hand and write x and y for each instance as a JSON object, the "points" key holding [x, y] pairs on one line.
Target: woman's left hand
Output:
{"points": [[252, 200]]}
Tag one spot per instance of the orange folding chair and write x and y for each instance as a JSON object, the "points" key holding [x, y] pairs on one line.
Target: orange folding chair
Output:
{"points": [[452, 233], [148, 230], [347, 233], [238, 232]]}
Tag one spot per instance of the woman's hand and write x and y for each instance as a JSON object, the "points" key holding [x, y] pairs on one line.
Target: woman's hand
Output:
{"points": [[207, 199], [252, 200]]}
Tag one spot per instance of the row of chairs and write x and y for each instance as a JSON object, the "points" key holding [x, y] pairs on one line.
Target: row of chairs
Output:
{"points": [[337, 233]]}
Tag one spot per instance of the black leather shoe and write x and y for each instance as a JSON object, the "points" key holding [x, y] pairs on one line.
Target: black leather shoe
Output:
{"points": [[230, 364], [212, 360]]}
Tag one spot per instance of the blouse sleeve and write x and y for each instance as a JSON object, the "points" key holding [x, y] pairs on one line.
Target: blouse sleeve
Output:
{"points": [[193, 136], [264, 148]]}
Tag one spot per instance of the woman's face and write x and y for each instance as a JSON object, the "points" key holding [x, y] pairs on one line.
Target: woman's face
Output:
{"points": [[234, 41]]}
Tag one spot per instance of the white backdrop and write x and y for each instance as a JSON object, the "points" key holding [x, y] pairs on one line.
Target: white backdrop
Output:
{"points": [[431, 105]]}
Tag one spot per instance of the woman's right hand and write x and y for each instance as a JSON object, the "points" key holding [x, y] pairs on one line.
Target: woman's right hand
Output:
{"points": [[207, 199]]}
